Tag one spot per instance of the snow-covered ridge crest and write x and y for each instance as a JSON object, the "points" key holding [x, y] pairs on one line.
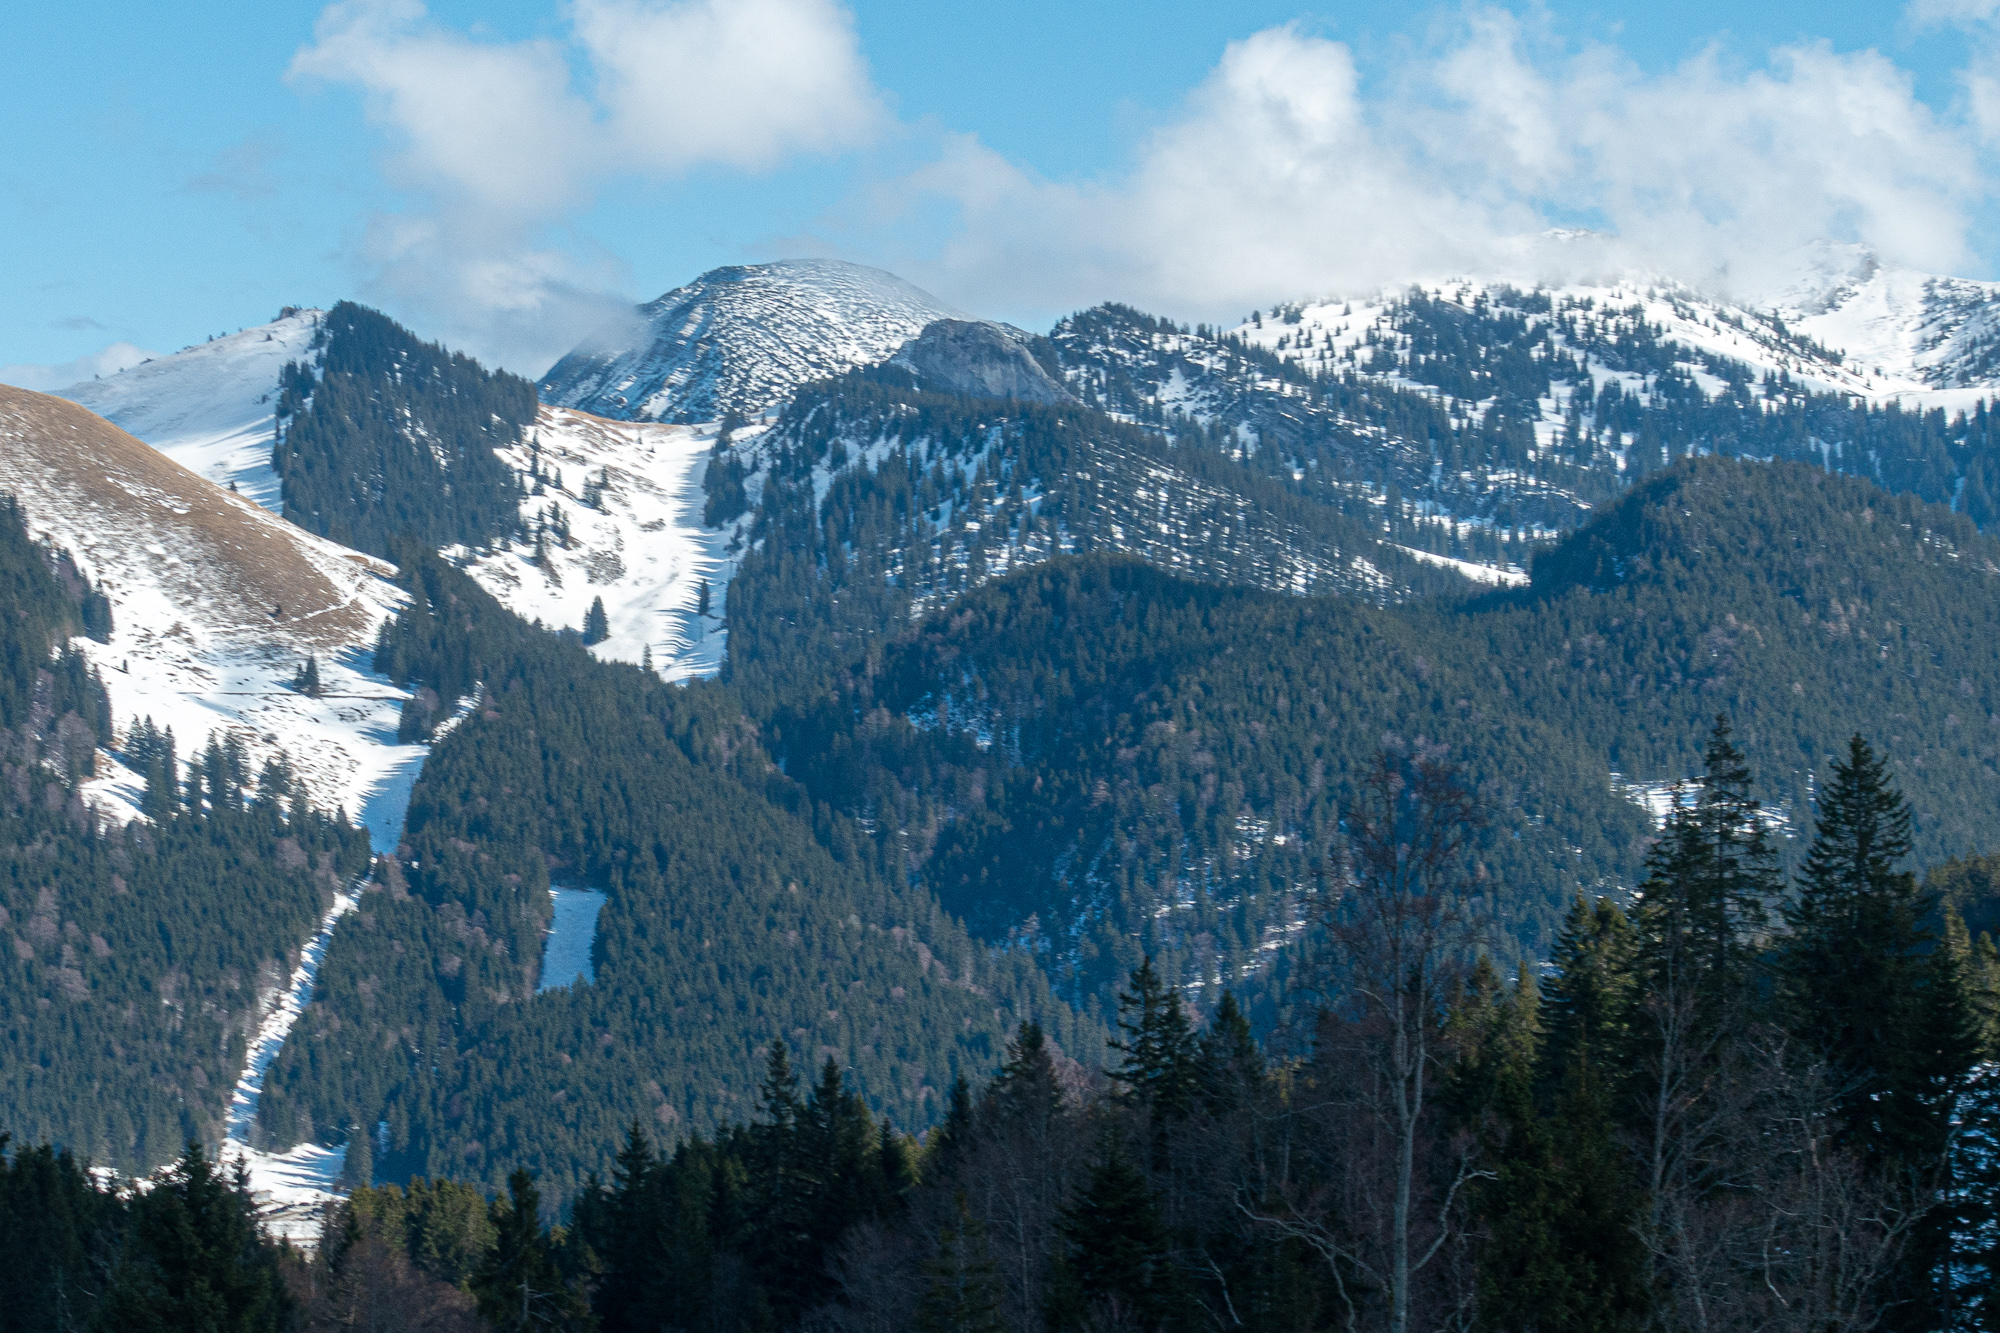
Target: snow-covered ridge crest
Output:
{"points": [[1835, 319], [741, 340], [215, 604], [211, 407]]}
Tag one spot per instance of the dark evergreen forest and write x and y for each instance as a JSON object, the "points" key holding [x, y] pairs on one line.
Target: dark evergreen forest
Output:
{"points": [[1749, 1101], [741, 911], [1093, 760], [387, 438], [136, 956]]}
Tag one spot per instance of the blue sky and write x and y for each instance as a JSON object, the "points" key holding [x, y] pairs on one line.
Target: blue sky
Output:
{"points": [[502, 175]]}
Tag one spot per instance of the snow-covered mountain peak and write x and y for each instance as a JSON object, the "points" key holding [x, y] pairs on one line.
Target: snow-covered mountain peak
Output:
{"points": [[741, 339], [210, 407]]}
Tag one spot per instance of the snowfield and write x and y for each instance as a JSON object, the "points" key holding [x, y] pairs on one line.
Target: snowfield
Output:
{"points": [[211, 407], [639, 544]]}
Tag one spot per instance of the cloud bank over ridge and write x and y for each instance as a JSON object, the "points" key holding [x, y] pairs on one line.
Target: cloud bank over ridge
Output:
{"points": [[1290, 170], [499, 145]]}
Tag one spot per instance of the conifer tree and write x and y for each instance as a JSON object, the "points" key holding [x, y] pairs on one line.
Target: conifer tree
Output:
{"points": [[596, 627], [1161, 1068], [1114, 1269], [1587, 1004], [1865, 984], [628, 1240], [1229, 1065], [519, 1285], [1702, 907], [198, 1260], [1563, 1251], [1867, 988], [962, 1294]]}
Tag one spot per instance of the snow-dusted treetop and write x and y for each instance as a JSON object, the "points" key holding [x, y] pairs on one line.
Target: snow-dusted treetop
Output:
{"points": [[741, 339]]}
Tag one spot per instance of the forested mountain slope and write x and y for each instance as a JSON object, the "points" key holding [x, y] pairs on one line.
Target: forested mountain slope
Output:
{"points": [[739, 911], [1462, 416], [876, 498], [137, 956], [384, 437], [1094, 759]]}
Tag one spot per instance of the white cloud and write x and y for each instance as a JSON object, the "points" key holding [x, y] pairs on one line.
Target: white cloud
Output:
{"points": [[1288, 174], [742, 83], [497, 142], [1288, 171], [106, 361]]}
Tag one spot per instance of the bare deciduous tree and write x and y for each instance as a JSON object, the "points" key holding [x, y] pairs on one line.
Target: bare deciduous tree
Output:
{"points": [[1386, 1205]]}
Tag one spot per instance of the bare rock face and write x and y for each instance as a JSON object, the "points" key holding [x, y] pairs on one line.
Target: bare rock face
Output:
{"points": [[980, 359]]}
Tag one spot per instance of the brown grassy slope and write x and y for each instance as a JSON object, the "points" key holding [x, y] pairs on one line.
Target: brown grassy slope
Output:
{"points": [[145, 527]]}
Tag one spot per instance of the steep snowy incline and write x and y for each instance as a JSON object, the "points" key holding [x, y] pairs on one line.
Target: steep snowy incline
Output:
{"points": [[741, 340], [1907, 332], [210, 407], [215, 604], [615, 511]]}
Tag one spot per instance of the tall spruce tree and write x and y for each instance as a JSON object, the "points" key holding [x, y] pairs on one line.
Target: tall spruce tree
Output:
{"points": [[519, 1286], [1865, 984], [1587, 1003], [1868, 989], [1564, 1253], [197, 1260], [1161, 1070], [962, 1291], [1115, 1270], [1702, 910]]}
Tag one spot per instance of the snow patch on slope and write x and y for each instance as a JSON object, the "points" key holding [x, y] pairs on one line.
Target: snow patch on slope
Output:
{"points": [[211, 407], [1510, 576], [640, 545]]}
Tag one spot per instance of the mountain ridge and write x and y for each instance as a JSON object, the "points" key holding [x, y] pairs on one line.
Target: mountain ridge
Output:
{"points": [[737, 340]]}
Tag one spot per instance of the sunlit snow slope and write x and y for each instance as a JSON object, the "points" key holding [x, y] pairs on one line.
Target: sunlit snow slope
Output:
{"points": [[215, 603], [210, 407], [630, 501]]}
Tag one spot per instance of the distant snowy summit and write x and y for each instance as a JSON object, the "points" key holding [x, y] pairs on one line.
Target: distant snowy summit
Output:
{"points": [[741, 340], [1898, 324]]}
